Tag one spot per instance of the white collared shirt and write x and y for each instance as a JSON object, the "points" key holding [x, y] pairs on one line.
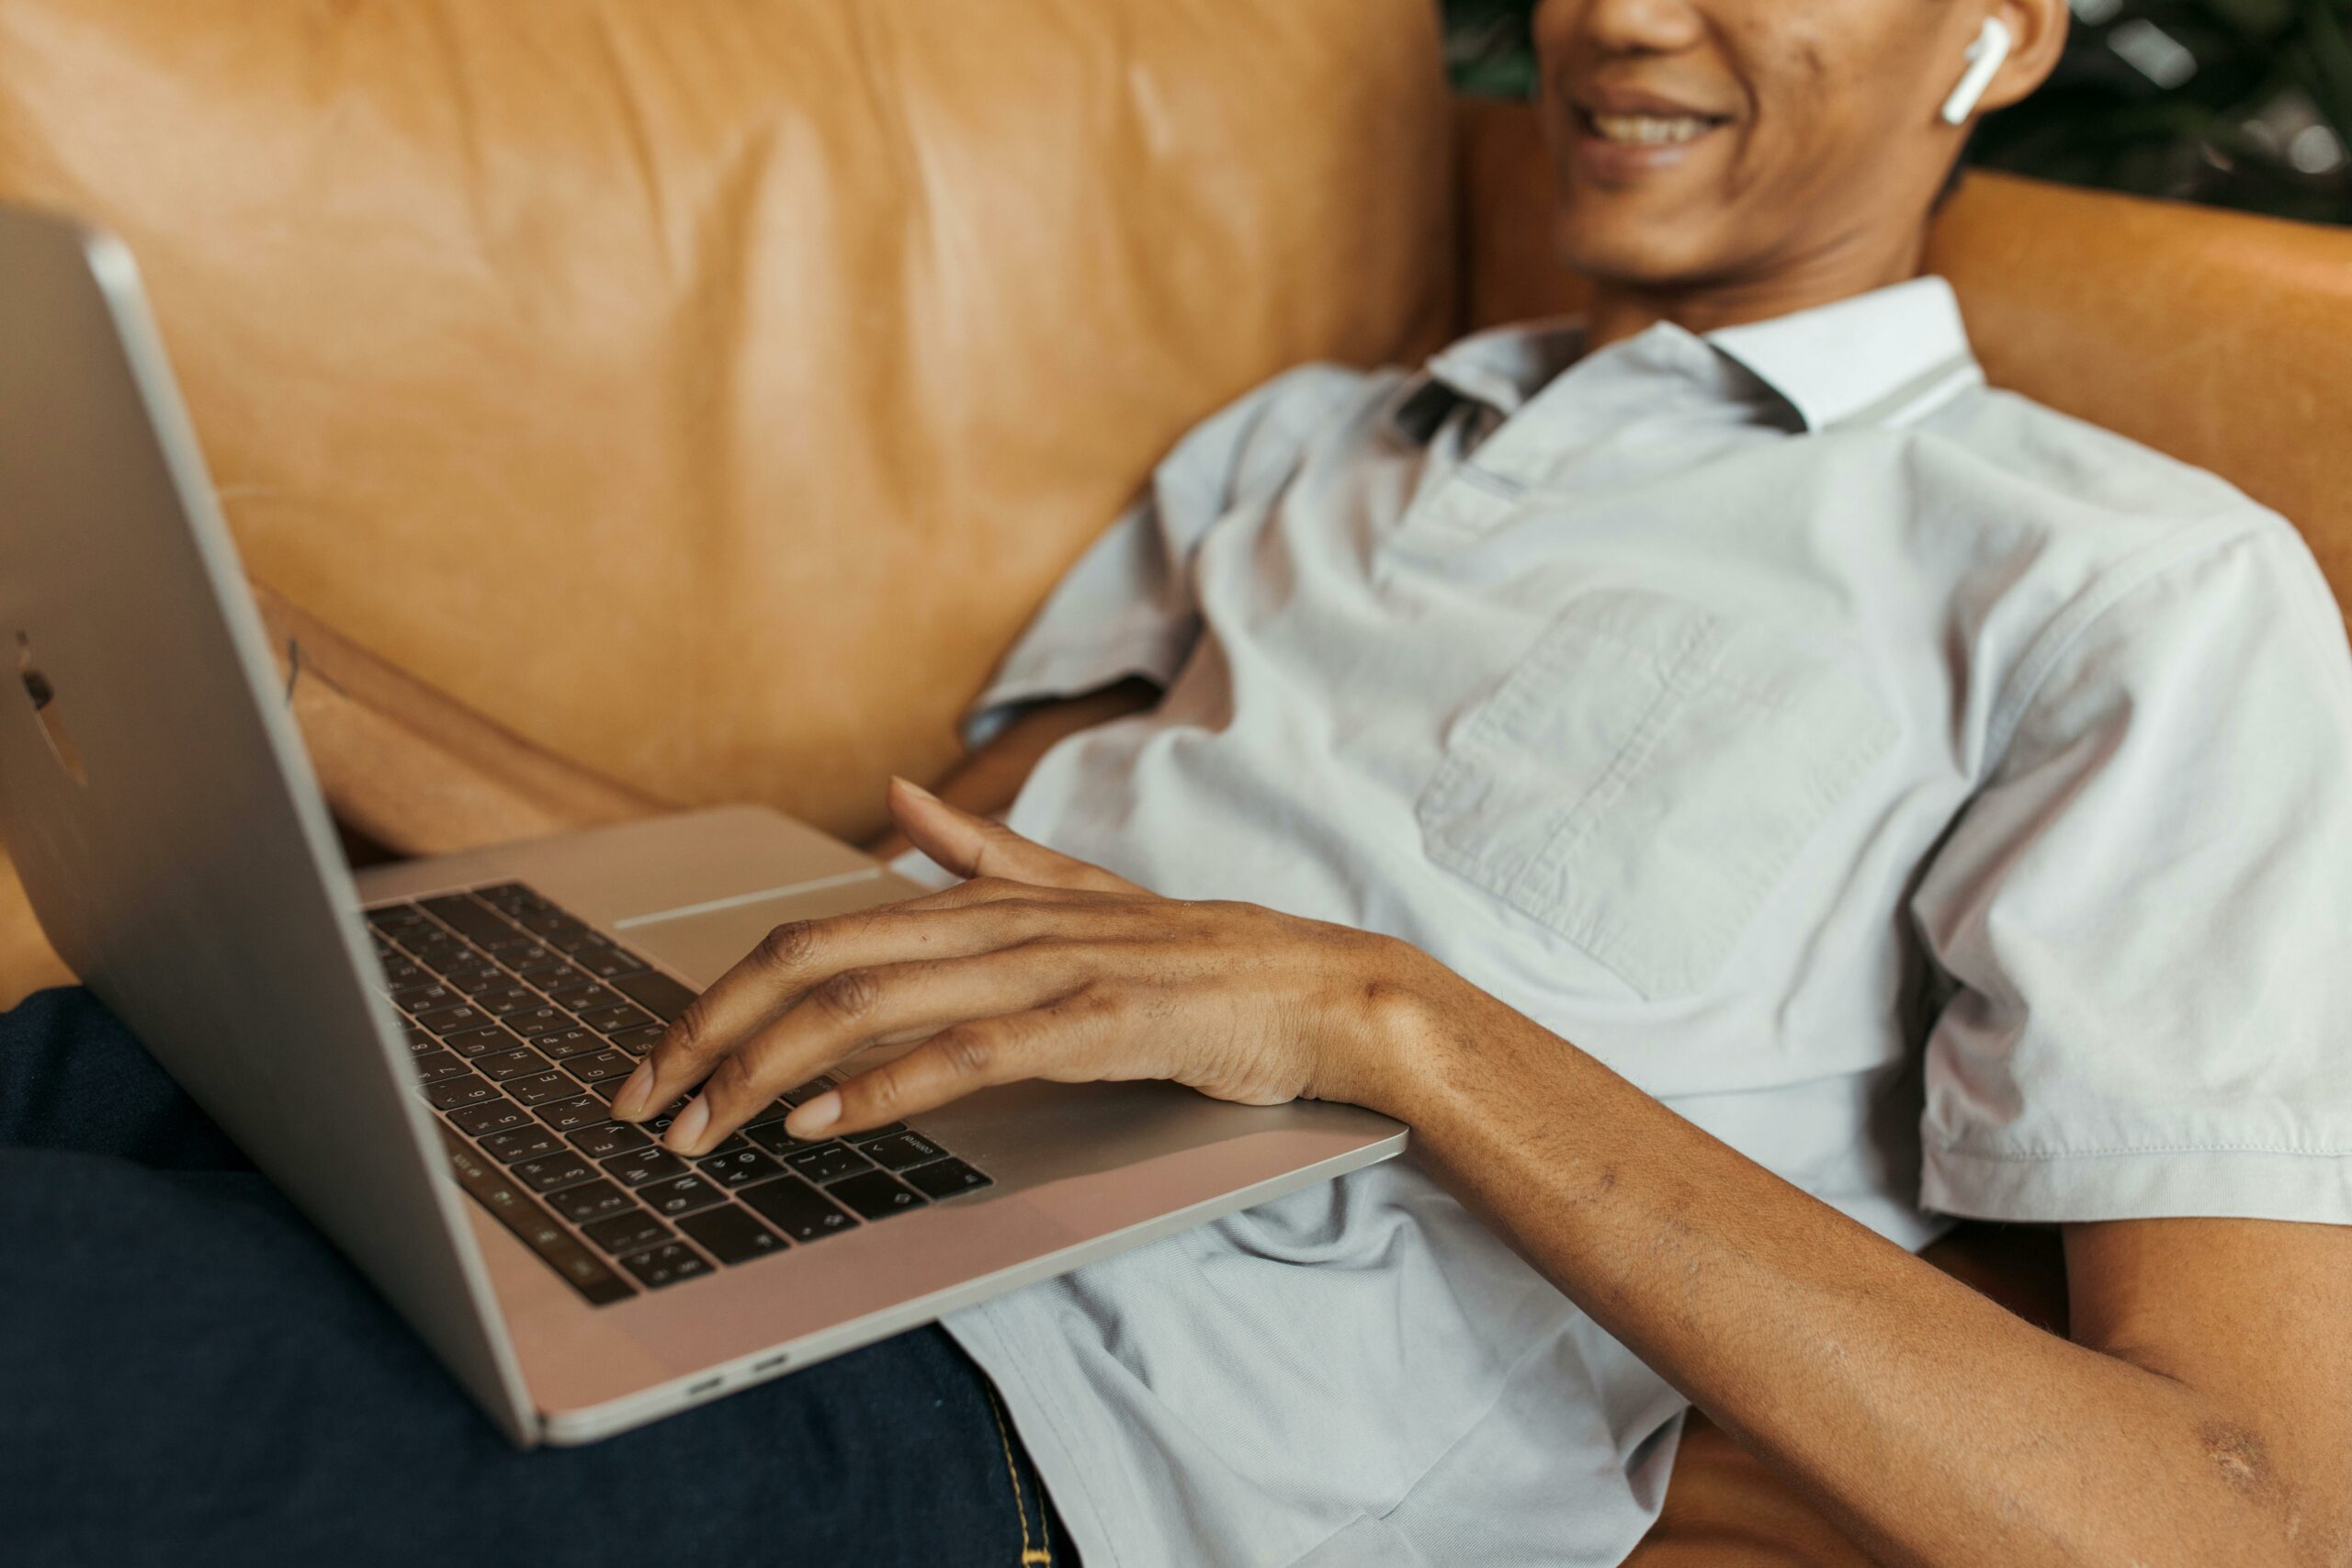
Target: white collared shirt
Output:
{"points": [[1939, 800]]}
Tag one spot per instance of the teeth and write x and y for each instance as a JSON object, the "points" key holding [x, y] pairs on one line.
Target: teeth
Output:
{"points": [[1650, 130]]}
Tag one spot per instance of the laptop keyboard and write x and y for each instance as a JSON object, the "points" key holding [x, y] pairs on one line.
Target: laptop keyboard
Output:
{"points": [[523, 1023]]}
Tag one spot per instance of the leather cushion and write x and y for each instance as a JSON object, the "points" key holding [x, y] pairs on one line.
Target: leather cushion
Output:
{"points": [[707, 389]]}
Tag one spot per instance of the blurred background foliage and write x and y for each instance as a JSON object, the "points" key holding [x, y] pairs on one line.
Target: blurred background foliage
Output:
{"points": [[2238, 103]]}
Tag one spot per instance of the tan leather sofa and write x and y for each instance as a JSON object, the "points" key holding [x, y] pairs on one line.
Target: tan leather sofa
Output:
{"points": [[684, 401]]}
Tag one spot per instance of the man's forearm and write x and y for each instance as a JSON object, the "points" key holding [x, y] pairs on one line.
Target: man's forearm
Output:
{"points": [[1937, 1427]]}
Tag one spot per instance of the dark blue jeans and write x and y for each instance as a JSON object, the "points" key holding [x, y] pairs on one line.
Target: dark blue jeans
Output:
{"points": [[190, 1375]]}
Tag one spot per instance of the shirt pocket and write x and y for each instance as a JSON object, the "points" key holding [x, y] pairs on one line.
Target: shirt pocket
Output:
{"points": [[1646, 775]]}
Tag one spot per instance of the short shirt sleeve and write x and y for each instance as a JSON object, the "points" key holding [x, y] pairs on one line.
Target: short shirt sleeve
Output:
{"points": [[2142, 918], [1127, 608]]}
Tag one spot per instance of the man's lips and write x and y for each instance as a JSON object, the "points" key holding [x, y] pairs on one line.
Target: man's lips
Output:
{"points": [[1623, 132], [1612, 98]]}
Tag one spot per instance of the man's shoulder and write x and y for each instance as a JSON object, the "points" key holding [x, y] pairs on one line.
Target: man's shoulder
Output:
{"points": [[2088, 472], [2081, 529]]}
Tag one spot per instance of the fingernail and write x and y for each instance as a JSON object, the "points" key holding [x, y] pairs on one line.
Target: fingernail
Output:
{"points": [[814, 1117], [687, 1129], [629, 1104], [915, 788]]}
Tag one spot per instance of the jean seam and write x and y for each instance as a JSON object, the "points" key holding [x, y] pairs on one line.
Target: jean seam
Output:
{"points": [[1030, 1556]]}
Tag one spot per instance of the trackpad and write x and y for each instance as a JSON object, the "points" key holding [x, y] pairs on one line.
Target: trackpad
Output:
{"points": [[703, 945]]}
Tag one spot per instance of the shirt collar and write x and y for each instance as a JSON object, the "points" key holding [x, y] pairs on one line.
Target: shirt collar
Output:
{"points": [[1885, 358], [1501, 368]]}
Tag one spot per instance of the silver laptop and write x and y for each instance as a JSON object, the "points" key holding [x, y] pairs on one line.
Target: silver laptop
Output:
{"points": [[420, 1055]]}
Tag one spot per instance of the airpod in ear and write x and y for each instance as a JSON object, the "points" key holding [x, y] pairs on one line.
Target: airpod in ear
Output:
{"points": [[1985, 58]]}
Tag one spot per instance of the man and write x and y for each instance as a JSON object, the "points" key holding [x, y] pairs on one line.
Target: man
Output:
{"points": [[1654, 758]]}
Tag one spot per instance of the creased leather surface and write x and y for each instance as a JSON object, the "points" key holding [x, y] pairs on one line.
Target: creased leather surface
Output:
{"points": [[2221, 339], [707, 389]]}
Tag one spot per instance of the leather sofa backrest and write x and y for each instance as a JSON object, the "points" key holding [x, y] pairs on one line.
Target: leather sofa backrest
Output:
{"points": [[708, 390], [2223, 340]]}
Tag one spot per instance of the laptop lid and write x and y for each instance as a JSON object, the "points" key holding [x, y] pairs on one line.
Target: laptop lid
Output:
{"points": [[160, 808]]}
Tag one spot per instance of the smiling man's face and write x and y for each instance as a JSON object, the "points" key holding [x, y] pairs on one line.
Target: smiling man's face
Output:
{"points": [[1711, 143]]}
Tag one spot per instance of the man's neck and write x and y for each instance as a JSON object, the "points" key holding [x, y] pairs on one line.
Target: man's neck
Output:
{"points": [[1619, 310]]}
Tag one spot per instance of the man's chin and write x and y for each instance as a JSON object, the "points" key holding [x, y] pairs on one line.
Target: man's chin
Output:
{"points": [[1650, 255]]}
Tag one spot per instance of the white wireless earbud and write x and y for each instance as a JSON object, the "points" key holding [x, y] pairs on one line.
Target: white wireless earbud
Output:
{"points": [[1985, 58]]}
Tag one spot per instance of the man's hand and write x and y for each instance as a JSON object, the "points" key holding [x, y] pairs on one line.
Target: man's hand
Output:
{"points": [[1040, 966]]}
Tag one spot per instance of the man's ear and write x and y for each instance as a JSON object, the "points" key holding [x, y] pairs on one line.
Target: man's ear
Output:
{"points": [[2036, 37]]}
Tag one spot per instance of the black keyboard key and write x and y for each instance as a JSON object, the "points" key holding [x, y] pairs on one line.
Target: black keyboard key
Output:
{"points": [[503, 1002], [540, 1087], [571, 941], [515, 947], [453, 1021], [876, 1195], [827, 1162], [614, 1019], [632, 1232], [481, 975], [417, 1041], [732, 1236], [611, 964], [739, 1168], [425, 997], [434, 1065], [560, 1043], [564, 1169], [771, 1137], [944, 1179], [571, 1115], [455, 1094], [441, 952], [774, 1110], [508, 897], [638, 1042], [501, 1066], [797, 1209], [608, 1138], [679, 1195], [889, 1129], [498, 1116], [469, 920], [532, 1021], [636, 1168], [581, 995], [528, 1142], [549, 923], [399, 972], [543, 969], [898, 1150], [591, 1201], [394, 918], [522, 1213], [599, 1065], [665, 1265], [481, 1042]]}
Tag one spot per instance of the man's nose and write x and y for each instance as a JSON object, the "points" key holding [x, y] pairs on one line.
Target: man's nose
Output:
{"points": [[1606, 27]]}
